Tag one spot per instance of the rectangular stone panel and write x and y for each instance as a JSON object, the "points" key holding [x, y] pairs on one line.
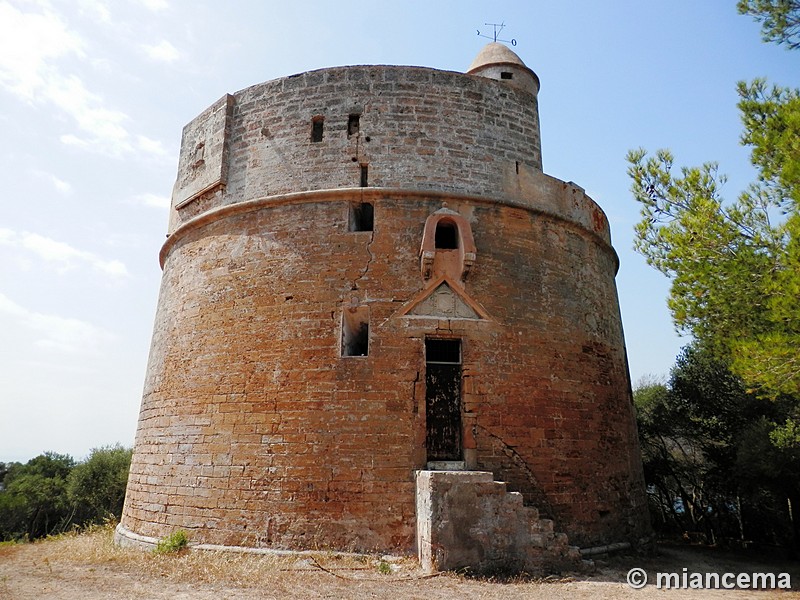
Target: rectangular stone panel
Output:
{"points": [[203, 161]]}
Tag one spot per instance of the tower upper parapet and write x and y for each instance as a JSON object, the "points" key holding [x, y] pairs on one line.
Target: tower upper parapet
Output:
{"points": [[381, 126]]}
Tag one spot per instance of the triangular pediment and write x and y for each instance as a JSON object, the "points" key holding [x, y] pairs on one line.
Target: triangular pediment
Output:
{"points": [[444, 301]]}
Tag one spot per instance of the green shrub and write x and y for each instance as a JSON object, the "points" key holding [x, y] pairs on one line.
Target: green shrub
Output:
{"points": [[173, 543], [51, 494], [96, 487], [33, 501], [384, 568]]}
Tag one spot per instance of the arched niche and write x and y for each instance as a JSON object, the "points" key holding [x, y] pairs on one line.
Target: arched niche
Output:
{"points": [[448, 248]]}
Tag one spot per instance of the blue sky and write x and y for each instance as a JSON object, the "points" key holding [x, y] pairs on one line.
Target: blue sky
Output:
{"points": [[94, 94]]}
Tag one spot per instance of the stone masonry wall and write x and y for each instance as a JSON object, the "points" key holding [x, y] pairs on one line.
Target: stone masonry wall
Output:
{"points": [[254, 431], [419, 128]]}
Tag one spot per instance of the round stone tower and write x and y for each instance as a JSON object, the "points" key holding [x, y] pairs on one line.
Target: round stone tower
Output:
{"points": [[367, 274]]}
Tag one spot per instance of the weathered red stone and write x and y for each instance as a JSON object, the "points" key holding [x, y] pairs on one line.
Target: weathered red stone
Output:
{"points": [[256, 426]]}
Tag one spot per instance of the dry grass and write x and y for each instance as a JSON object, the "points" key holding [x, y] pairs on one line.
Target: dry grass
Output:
{"points": [[95, 546], [89, 566]]}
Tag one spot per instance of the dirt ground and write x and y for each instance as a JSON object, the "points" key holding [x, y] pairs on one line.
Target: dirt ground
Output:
{"points": [[90, 567]]}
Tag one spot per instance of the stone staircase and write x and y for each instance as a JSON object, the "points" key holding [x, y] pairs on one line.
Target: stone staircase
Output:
{"points": [[468, 521]]}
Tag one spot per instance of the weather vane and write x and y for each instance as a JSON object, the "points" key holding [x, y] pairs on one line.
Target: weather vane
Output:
{"points": [[501, 26]]}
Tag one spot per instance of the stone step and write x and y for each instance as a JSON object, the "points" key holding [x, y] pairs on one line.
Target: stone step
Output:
{"points": [[469, 520], [533, 513], [542, 526]]}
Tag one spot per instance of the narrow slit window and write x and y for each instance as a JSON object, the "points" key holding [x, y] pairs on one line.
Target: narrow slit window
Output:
{"points": [[362, 217], [353, 124], [317, 126], [355, 331], [506, 75], [446, 237], [364, 175]]}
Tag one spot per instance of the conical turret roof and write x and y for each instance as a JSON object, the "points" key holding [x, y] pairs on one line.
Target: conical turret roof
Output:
{"points": [[498, 61], [495, 53]]}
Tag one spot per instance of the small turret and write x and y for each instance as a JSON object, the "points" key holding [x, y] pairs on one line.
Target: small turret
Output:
{"points": [[497, 61]]}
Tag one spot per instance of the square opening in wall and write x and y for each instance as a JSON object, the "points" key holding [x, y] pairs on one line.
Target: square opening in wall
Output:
{"points": [[443, 351], [355, 331], [506, 75], [362, 217], [353, 124], [317, 126]]}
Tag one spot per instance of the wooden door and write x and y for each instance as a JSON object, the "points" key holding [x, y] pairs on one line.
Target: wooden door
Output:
{"points": [[443, 399]]}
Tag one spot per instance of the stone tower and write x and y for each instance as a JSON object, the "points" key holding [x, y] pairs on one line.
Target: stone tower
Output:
{"points": [[367, 274]]}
